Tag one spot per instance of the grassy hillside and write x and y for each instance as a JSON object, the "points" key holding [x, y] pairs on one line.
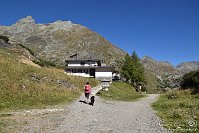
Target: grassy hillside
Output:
{"points": [[25, 86], [120, 91], [179, 111]]}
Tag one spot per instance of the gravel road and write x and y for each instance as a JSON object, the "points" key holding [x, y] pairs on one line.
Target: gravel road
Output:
{"points": [[112, 117], [103, 117]]}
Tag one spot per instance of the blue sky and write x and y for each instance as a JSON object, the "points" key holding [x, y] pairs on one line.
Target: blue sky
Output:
{"points": [[166, 30]]}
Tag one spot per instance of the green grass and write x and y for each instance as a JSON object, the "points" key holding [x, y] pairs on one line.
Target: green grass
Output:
{"points": [[120, 91], [23, 86], [177, 109]]}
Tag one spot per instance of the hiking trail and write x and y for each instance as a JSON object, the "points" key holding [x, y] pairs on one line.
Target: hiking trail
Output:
{"points": [[103, 117]]}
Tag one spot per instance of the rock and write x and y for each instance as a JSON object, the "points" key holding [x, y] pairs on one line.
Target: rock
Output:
{"points": [[4, 44]]}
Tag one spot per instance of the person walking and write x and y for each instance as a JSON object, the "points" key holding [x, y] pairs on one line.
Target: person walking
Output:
{"points": [[87, 91]]}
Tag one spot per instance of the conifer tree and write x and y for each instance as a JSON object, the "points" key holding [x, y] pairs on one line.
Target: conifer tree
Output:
{"points": [[126, 68], [132, 70], [138, 76]]}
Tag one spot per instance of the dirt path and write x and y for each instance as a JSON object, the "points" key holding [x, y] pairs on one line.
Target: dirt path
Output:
{"points": [[113, 117], [103, 117]]}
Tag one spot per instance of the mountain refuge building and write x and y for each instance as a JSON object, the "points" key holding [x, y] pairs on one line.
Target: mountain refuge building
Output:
{"points": [[90, 68]]}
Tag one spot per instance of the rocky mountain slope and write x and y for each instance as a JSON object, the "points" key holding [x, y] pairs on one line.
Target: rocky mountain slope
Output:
{"points": [[186, 67], [164, 67], [57, 41], [158, 67], [166, 74]]}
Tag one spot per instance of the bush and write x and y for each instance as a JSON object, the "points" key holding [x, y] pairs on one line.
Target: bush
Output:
{"points": [[191, 81], [31, 52], [44, 63], [5, 38]]}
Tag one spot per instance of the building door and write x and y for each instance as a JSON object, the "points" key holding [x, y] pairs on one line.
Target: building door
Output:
{"points": [[92, 73]]}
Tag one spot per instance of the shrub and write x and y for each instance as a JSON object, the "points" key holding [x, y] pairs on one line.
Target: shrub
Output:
{"points": [[5, 38], [31, 52], [191, 81], [43, 63]]}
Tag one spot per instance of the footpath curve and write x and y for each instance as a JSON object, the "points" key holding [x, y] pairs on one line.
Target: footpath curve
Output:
{"points": [[112, 117]]}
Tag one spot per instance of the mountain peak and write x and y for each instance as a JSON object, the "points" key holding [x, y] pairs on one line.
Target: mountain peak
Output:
{"points": [[147, 58], [62, 25], [26, 20], [58, 40]]}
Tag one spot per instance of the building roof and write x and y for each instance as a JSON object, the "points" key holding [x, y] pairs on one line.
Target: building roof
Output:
{"points": [[75, 60], [89, 67]]}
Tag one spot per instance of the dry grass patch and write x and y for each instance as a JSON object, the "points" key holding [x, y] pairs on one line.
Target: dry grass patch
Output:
{"points": [[179, 110]]}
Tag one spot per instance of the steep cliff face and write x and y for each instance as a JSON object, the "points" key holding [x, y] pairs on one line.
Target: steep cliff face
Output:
{"points": [[57, 41]]}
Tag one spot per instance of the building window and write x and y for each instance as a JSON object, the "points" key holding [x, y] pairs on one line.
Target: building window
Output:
{"points": [[74, 71], [86, 71], [82, 63], [69, 71], [79, 71]]}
